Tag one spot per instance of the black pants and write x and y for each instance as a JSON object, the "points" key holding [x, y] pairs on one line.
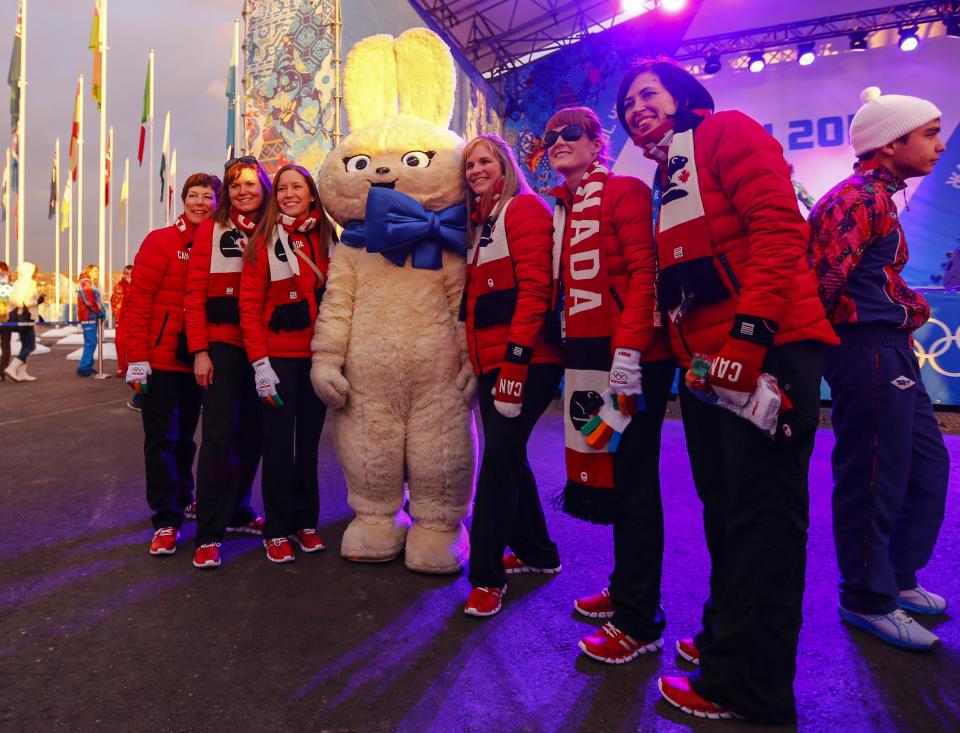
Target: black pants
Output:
{"points": [[170, 409], [638, 528], [291, 493], [5, 335], [232, 436], [507, 510], [755, 515]]}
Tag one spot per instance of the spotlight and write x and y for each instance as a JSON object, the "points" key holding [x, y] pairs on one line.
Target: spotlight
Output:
{"points": [[712, 63], [953, 25], [858, 41], [756, 62], [805, 53], [908, 38], [632, 7], [672, 6]]}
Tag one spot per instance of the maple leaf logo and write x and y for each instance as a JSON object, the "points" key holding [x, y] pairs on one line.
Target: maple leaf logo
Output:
{"points": [[684, 176]]}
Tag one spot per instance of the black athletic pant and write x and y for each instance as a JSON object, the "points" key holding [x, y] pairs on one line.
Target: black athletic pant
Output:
{"points": [[170, 409], [507, 510], [638, 527], [232, 434], [755, 515], [291, 493]]}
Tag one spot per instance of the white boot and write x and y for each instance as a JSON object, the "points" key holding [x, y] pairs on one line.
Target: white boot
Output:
{"points": [[13, 368], [22, 373]]}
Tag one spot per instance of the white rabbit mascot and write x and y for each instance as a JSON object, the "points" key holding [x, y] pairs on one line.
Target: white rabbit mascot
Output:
{"points": [[389, 354]]}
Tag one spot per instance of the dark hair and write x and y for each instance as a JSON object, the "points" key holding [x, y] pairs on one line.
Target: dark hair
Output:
{"points": [[684, 87], [4, 267], [221, 214], [587, 119], [903, 140], [265, 224], [202, 179]]}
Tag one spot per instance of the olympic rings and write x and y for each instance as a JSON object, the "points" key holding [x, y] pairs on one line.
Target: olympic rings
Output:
{"points": [[938, 348]]}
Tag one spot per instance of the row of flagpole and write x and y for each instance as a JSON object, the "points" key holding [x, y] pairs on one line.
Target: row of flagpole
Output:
{"points": [[61, 205]]}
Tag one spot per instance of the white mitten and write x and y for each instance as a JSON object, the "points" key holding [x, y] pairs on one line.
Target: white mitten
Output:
{"points": [[762, 407], [266, 380], [137, 373], [329, 384]]}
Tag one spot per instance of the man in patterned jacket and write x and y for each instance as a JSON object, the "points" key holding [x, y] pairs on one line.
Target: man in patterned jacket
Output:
{"points": [[890, 465]]}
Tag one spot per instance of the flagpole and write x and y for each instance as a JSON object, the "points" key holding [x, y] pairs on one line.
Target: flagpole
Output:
{"points": [[71, 301], [79, 199], [125, 208], [237, 137], [22, 135], [6, 206], [101, 193], [150, 171], [56, 225], [109, 199]]}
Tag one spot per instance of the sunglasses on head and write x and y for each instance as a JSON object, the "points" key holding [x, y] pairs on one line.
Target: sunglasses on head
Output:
{"points": [[249, 159], [569, 133]]}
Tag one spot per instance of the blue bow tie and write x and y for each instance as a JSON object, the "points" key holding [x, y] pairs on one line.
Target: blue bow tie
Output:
{"points": [[397, 226]]}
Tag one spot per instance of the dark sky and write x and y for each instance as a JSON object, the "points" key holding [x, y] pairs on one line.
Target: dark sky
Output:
{"points": [[192, 40]]}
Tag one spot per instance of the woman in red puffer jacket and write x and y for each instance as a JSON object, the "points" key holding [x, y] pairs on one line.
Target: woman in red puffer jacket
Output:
{"points": [[284, 272], [506, 303], [734, 285]]}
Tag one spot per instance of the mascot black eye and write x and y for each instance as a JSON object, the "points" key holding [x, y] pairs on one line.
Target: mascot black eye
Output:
{"points": [[417, 159], [356, 163]]}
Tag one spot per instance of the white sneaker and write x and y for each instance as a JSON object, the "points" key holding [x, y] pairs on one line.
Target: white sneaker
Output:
{"points": [[920, 600], [895, 628]]}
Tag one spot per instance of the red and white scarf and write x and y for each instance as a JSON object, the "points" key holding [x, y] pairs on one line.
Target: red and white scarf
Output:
{"points": [[586, 329], [289, 235], [226, 251]]}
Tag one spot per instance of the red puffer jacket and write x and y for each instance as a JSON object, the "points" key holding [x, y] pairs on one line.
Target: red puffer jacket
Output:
{"points": [[260, 298], [758, 236], [626, 228], [507, 299], [153, 306], [202, 286]]}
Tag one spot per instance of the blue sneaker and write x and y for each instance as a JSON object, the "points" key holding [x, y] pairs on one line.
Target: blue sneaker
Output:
{"points": [[920, 600], [895, 628]]}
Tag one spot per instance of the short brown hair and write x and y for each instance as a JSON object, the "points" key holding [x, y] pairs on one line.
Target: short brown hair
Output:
{"points": [[588, 120], [202, 179]]}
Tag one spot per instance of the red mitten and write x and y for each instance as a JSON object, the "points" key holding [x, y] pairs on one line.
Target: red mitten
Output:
{"points": [[508, 392], [737, 366]]}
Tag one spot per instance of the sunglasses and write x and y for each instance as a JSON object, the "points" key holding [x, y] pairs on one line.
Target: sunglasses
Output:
{"points": [[570, 133], [248, 159]]}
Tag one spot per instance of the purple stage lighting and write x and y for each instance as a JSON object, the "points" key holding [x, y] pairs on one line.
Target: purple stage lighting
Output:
{"points": [[672, 6], [757, 63], [908, 38], [805, 53]]}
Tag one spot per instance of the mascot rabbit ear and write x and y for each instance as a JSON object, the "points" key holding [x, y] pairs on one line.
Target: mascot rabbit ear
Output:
{"points": [[370, 81], [426, 76]]}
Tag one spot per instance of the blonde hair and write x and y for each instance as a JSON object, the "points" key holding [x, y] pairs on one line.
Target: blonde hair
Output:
{"points": [[514, 181]]}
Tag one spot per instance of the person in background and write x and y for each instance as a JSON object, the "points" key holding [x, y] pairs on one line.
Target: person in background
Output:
{"points": [[890, 465], [284, 273], [506, 301], [6, 332], [116, 305], [24, 308], [90, 312], [232, 428], [803, 195], [160, 369]]}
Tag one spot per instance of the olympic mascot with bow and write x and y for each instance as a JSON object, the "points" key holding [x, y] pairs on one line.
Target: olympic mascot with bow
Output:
{"points": [[389, 353]]}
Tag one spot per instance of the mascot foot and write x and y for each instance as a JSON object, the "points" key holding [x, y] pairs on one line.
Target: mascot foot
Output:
{"points": [[437, 552], [375, 539]]}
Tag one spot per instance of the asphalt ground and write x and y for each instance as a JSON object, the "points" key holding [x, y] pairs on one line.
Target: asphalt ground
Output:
{"points": [[95, 634]]}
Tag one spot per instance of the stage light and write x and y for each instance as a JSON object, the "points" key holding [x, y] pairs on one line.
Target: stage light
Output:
{"points": [[672, 6], [756, 62], [858, 41], [953, 25], [805, 53], [632, 7], [908, 38], [711, 64]]}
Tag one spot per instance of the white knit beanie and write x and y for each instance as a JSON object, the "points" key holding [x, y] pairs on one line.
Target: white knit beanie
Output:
{"points": [[883, 119]]}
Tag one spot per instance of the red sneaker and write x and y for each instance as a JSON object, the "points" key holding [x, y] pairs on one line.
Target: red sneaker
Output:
{"points": [[207, 556], [279, 550], [484, 601], [598, 605], [688, 651], [164, 541], [254, 526], [609, 644], [190, 510], [513, 564], [309, 540], [678, 692]]}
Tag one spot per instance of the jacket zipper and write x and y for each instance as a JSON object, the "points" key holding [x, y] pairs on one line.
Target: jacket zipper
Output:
{"points": [[616, 298], [163, 327], [729, 271]]}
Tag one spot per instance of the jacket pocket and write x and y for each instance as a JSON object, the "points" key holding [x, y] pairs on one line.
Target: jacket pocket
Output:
{"points": [[290, 317], [163, 327], [223, 309], [725, 263], [494, 309]]}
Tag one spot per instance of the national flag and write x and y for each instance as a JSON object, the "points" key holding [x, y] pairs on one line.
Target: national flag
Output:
{"points": [[147, 114], [13, 75], [232, 98], [3, 189], [75, 133], [54, 182], [96, 45], [173, 178], [66, 206], [109, 165], [15, 181], [123, 201], [164, 156]]}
